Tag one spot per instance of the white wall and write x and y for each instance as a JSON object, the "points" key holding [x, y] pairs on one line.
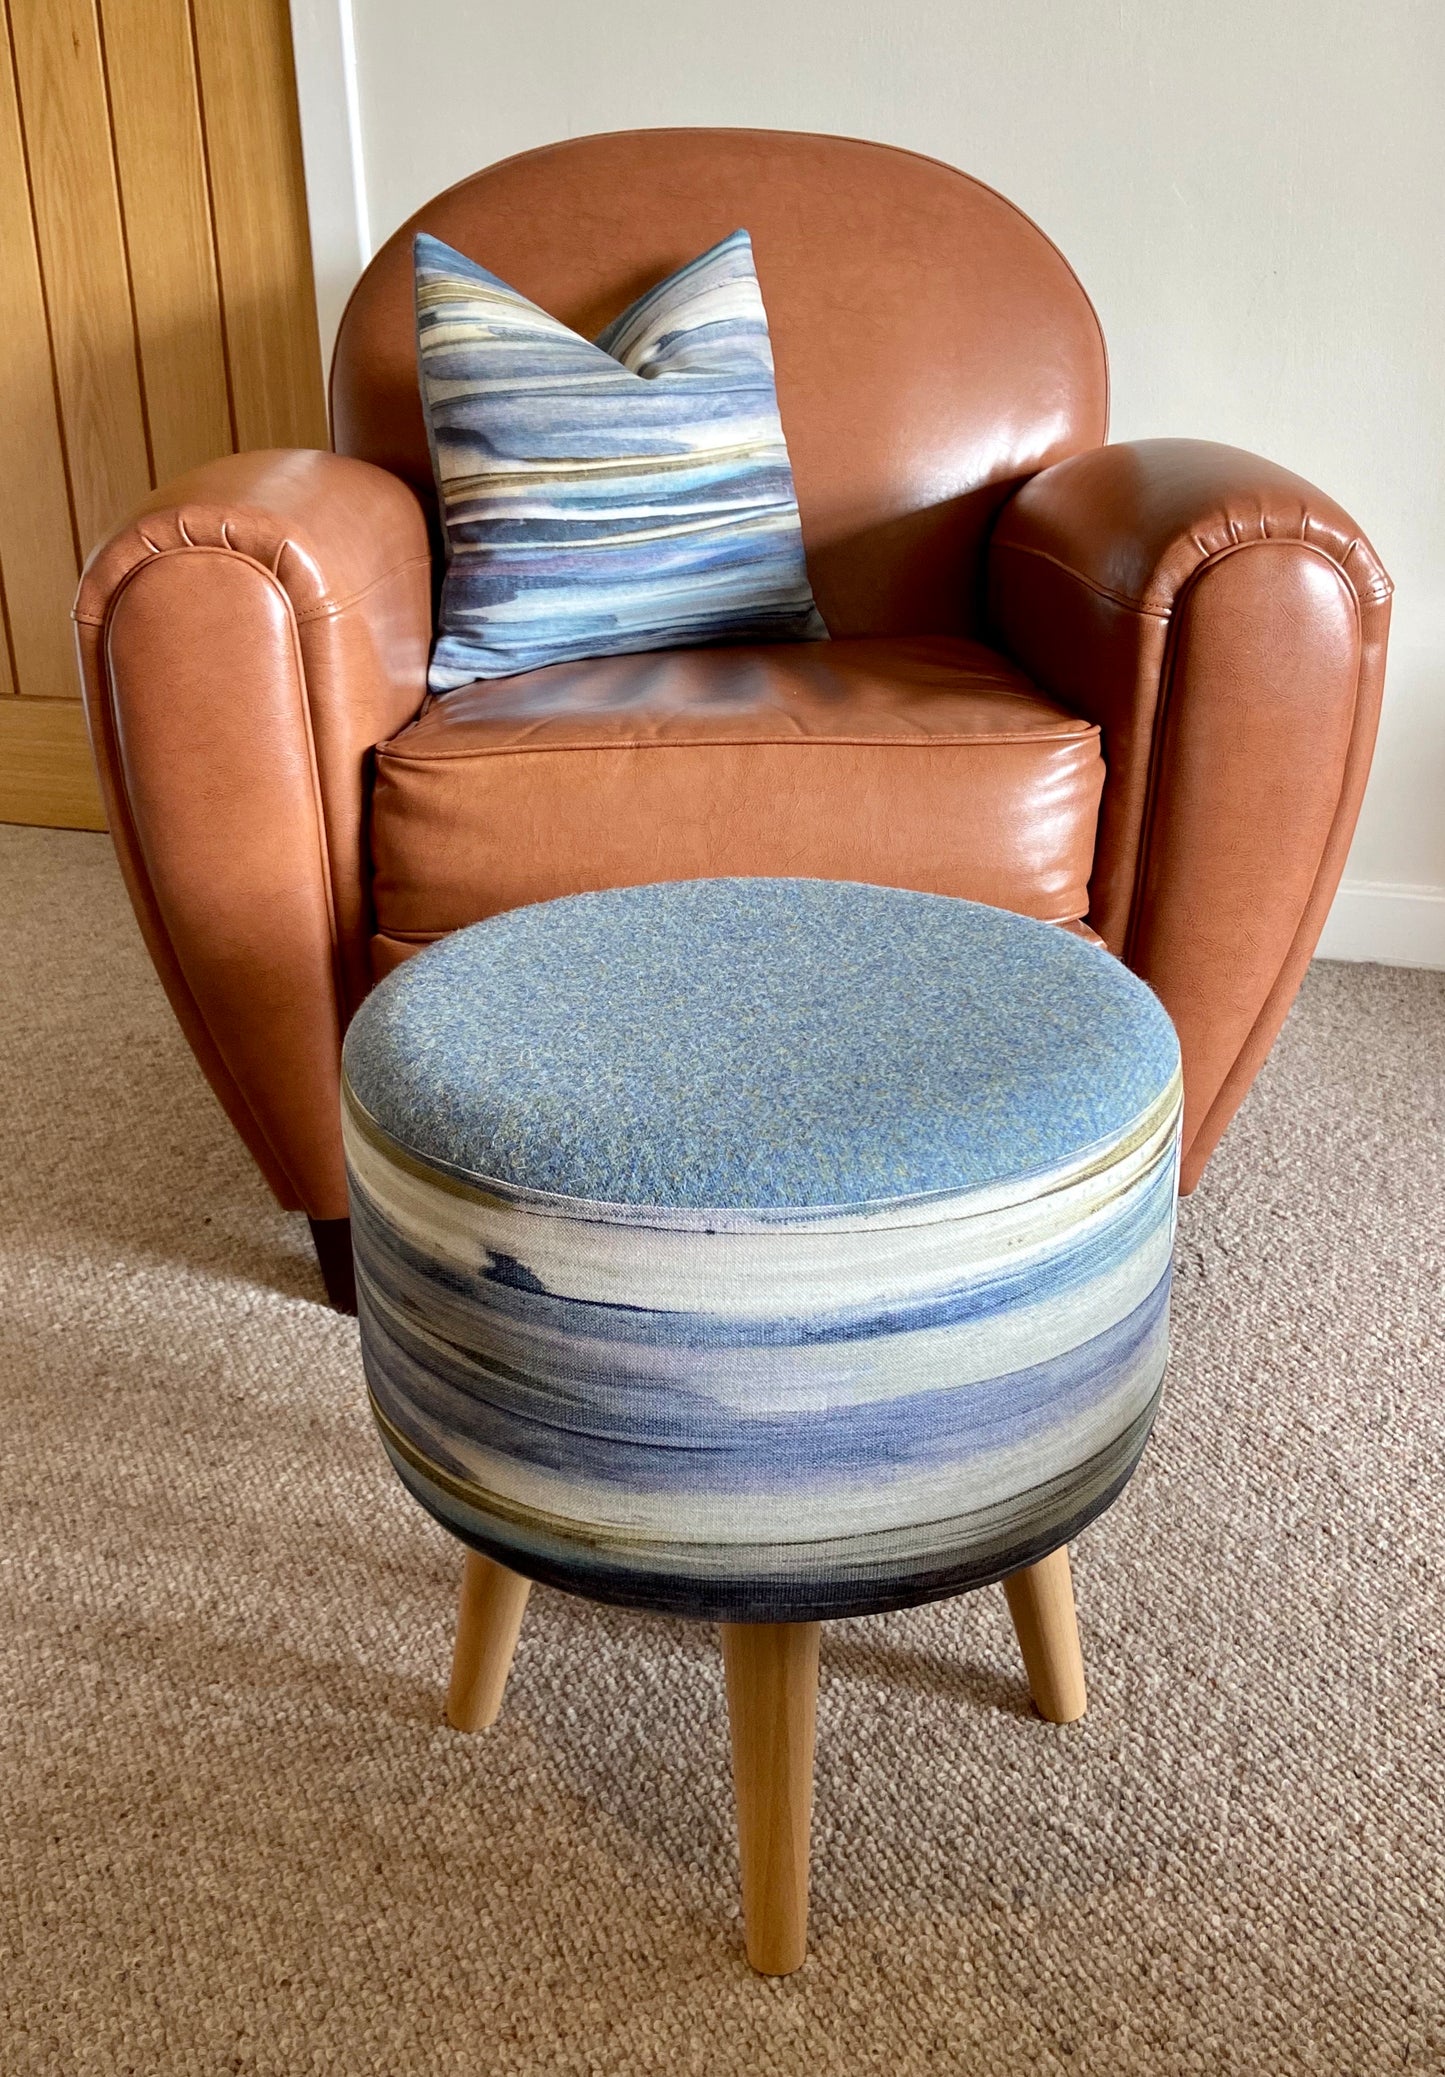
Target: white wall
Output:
{"points": [[1253, 192]]}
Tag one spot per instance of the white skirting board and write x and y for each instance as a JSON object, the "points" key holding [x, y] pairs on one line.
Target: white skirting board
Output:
{"points": [[1391, 925]]}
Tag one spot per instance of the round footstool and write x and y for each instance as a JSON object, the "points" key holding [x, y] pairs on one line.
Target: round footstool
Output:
{"points": [[764, 1251]]}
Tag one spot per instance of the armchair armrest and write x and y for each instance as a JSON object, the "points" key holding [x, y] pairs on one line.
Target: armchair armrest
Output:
{"points": [[245, 639], [1225, 625]]}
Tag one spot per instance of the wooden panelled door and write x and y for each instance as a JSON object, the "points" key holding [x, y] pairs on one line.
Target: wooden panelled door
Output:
{"points": [[158, 311]]}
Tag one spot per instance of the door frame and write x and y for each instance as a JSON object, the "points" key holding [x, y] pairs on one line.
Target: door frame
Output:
{"points": [[323, 39]]}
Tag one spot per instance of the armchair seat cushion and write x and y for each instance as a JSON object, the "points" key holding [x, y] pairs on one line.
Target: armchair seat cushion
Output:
{"points": [[776, 759]]}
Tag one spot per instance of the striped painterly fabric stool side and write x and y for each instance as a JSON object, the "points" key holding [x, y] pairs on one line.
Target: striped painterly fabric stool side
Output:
{"points": [[763, 1250]]}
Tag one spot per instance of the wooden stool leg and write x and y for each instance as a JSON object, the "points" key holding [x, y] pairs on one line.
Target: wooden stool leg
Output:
{"points": [[772, 1680], [1041, 1602], [489, 1621]]}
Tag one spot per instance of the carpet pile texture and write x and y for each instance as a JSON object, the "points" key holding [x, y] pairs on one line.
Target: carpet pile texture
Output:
{"points": [[237, 1836]]}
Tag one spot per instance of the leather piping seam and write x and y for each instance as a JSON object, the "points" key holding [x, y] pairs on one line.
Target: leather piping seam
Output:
{"points": [[1007, 742], [1376, 595], [1103, 591], [318, 805], [326, 609], [1163, 710]]}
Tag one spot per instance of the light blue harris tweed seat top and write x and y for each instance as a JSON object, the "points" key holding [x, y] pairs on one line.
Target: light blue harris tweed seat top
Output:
{"points": [[763, 1250]]}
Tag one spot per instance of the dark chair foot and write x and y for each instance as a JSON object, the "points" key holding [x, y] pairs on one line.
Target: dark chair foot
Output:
{"points": [[332, 1240]]}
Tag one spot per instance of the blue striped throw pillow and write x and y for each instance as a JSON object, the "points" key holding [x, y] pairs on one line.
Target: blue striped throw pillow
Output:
{"points": [[632, 493]]}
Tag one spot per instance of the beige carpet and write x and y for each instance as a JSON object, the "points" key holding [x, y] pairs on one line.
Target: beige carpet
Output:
{"points": [[237, 1836]]}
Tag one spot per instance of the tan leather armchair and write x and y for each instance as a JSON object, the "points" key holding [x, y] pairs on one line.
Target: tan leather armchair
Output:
{"points": [[1136, 685]]}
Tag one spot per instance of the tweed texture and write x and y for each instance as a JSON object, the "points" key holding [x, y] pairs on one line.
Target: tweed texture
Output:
{"points": [[237, 1836], [751, 1043], [830, 1400], [596, 498]]}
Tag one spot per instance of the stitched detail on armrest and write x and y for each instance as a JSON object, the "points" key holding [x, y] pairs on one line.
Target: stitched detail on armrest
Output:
{"points": [[1103, 591], [327, 609], [1151, 609]]}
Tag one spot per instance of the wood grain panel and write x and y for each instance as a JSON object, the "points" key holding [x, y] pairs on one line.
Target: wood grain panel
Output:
{"points": [[155, 261], [258, 196], [7, 675], [37, 543], [160, 155], [82, 252], [46, 773]]}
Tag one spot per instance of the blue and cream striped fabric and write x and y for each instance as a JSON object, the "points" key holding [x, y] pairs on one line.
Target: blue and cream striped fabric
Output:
{"points": [[763, 1249], [629, 494]]}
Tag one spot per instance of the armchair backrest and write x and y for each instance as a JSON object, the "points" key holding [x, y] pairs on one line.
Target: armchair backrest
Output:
{"points": [[932, 347]]}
